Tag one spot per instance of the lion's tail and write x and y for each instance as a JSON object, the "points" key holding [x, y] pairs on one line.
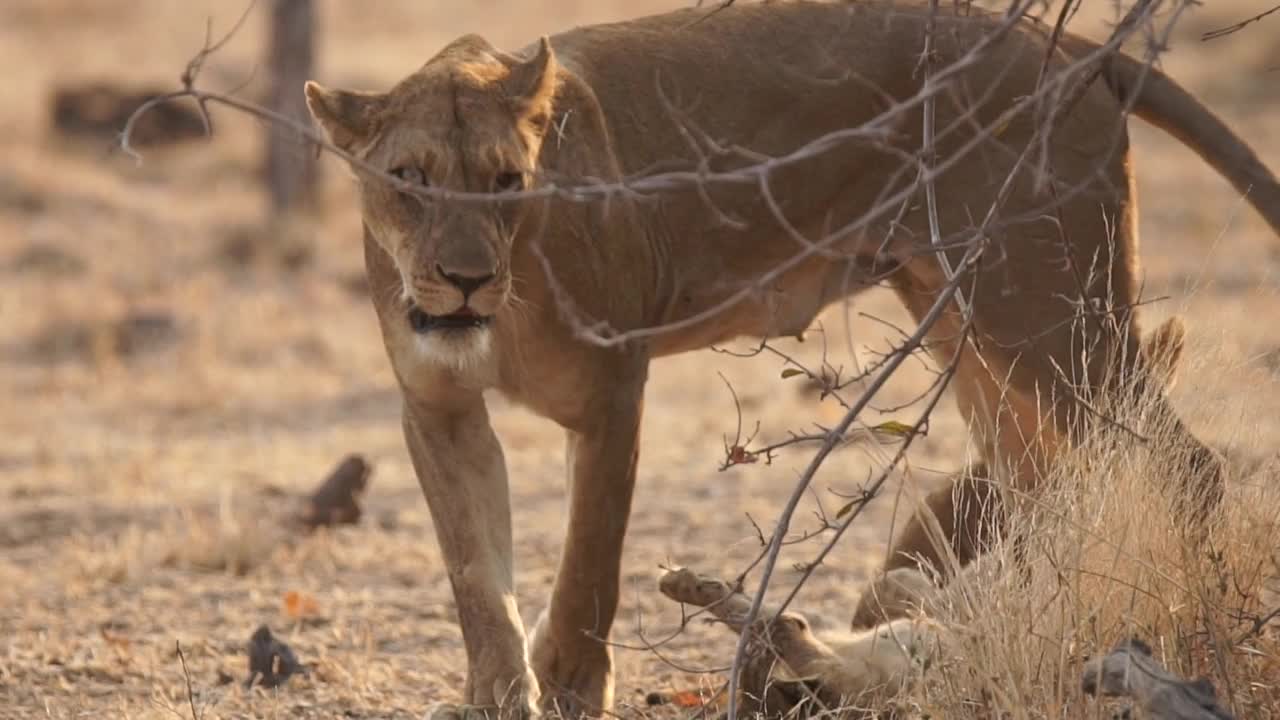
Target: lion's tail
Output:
{"points": [[1162, 102]]}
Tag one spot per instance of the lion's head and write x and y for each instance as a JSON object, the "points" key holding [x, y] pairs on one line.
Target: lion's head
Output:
{"points": [[471, 120]]}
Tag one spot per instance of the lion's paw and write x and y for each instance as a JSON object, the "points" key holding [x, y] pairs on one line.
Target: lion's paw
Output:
{"points": [[450, 711], [493, 698], [686, 586], [575, 672], [893, 595]]}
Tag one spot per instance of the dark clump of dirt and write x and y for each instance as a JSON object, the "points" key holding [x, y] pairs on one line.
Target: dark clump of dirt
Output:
{"points": [[337, 500], [49, 260], [145, 331], [16, 195], [287, 245], [355, 283], [136, 333], [100, 110]]}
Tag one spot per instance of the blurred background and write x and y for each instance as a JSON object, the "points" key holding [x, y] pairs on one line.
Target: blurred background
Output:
{"points": [[187, 349]]}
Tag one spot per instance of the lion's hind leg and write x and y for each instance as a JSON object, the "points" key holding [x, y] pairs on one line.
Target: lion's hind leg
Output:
{"points": [[788, 665], [1197, 468]]}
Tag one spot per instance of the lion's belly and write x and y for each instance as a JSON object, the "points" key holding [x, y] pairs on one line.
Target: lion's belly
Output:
{"points": [[719, 312]]}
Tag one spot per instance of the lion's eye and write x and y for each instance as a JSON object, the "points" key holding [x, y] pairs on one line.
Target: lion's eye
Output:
{"points": [[410, 174], [508, 182]]}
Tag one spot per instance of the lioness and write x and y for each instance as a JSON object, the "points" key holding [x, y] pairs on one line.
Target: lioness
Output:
{"points": [[472, 296]]}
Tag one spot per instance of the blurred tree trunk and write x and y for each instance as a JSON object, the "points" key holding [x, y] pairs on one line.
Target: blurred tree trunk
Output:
{"points": [[292, 172]]}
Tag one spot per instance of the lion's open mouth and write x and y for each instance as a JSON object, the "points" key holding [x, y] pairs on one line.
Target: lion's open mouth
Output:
{"points": [[423, 323]]}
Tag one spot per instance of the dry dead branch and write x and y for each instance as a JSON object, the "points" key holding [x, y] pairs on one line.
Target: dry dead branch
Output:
{"points": [[1129, 670]]}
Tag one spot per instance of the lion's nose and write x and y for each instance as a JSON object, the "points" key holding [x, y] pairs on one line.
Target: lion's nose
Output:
{"points": [[465, 283]]}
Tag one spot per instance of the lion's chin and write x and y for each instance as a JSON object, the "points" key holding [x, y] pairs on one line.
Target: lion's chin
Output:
{"points": [[459, 341], [458, 349]]}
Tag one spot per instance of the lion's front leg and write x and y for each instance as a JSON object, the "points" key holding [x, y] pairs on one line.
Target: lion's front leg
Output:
{"points": [[570, 653], [463, 474]]}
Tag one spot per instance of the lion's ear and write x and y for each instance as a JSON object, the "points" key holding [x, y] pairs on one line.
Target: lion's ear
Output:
{"points": [[347, 118], [531, 85]]}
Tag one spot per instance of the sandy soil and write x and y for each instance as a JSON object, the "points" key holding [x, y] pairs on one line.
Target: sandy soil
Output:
{"points": [[146, 464]]}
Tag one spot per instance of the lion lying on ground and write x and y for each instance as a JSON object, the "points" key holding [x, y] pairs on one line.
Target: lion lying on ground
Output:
{"points": [[496, 294], [791, 666], [859, 669]]}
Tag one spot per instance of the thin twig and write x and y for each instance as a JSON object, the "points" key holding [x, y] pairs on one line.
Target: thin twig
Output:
{"points": [[1221, 32], [191, 695], [927, 155]]}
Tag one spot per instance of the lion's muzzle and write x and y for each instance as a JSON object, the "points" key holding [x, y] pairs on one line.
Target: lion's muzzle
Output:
{"points": [[423, 322]]}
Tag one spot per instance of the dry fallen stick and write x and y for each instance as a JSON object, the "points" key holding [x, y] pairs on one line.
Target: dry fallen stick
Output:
{"points": [[1129, 670]]}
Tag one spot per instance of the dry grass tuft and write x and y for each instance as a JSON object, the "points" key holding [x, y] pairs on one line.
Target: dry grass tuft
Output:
{"points": [[1106, 560], [225, 539]]}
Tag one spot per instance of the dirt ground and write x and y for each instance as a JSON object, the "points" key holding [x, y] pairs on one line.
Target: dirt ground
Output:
{"points": [[169, 393]]}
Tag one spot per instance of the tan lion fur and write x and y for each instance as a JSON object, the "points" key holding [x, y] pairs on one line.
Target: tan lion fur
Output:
{"points": [[1052, 293]]}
